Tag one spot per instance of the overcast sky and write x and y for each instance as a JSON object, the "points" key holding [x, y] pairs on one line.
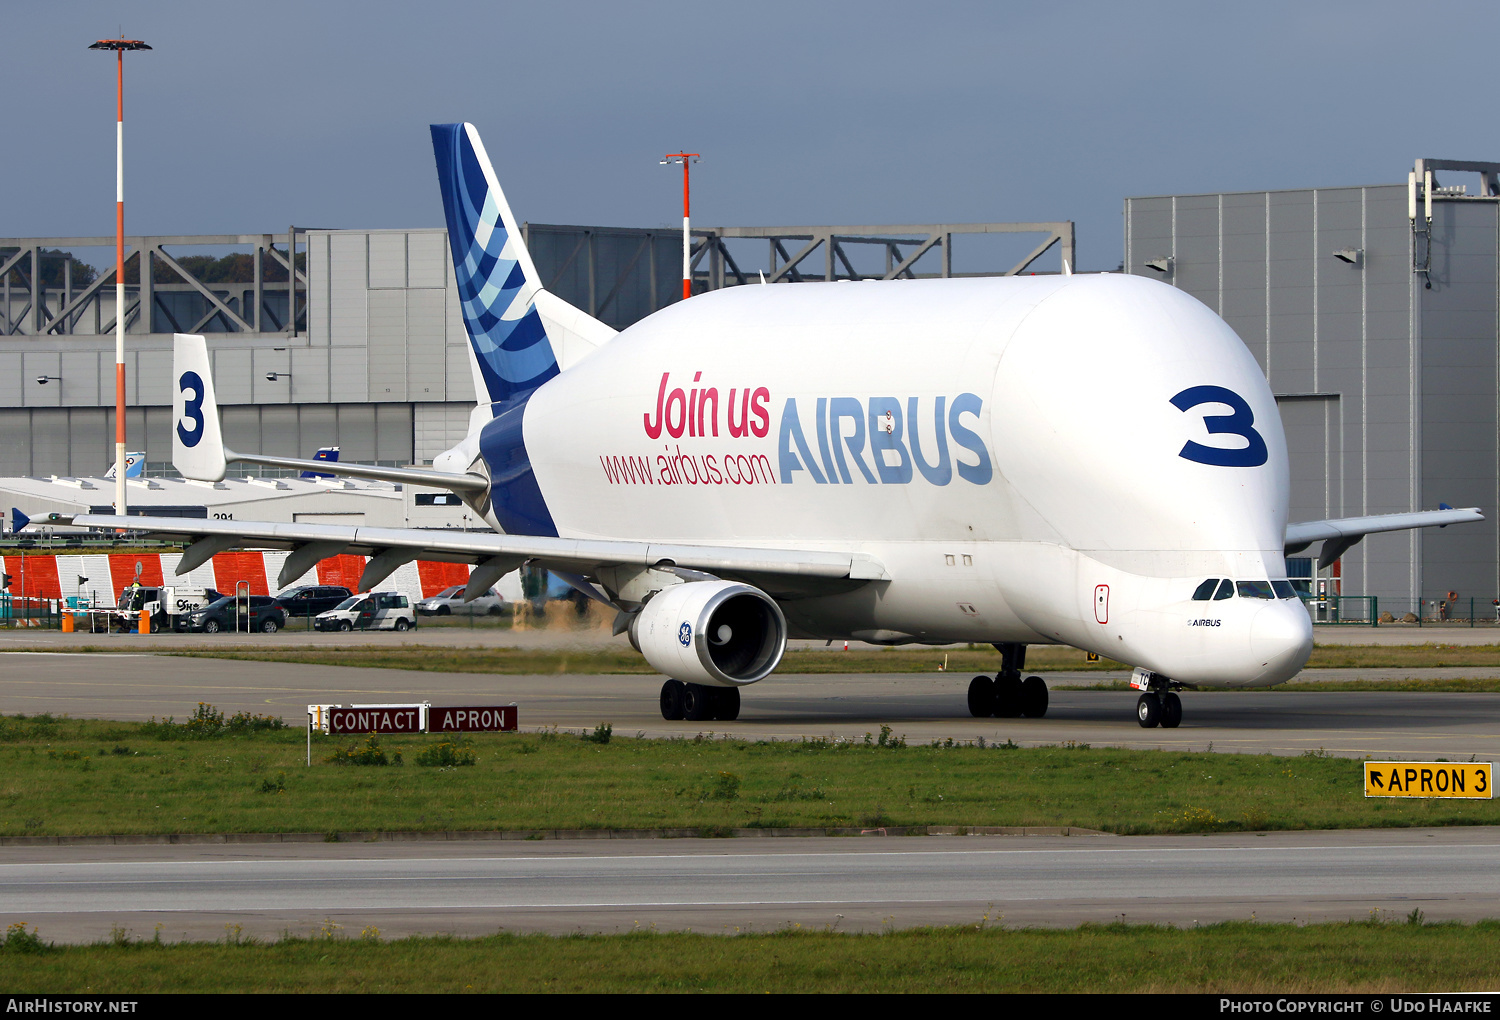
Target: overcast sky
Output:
{"points": [[246, 117]]}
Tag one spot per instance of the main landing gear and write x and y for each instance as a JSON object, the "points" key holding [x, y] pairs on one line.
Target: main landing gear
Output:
{"points": [[699, 702], [1160, 705], [1007, 696]]}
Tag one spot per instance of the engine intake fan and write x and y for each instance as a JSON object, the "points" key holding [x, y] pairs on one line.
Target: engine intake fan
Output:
{"points": [[720, 633]]}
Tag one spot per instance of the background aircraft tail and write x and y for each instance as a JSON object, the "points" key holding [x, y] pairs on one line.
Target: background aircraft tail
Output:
{"points": [[519, 335], [197, 445]]}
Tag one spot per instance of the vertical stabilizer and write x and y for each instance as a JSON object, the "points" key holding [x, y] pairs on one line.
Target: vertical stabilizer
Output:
{"points": [[197, 445], [497, 283]]}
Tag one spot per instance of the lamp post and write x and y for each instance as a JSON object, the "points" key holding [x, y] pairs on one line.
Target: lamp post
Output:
{"points": [[120, 46], [685, 158]]}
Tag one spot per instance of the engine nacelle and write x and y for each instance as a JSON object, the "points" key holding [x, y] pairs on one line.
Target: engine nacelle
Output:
{"points": [[719, 633]]}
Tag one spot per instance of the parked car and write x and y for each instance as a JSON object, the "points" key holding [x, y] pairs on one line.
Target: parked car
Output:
{"points": [[230, 613], [451, 600], [379, 610], [311, 599]]}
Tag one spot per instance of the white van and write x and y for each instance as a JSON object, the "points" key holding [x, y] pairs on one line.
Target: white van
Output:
{"points": [[377, 610]]}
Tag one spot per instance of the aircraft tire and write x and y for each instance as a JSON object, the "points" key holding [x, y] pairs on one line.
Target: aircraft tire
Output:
{"points": [[1033, 697], [728, 703], [1148, 711], [982, 697], [1171, 710], [1007, 697], [671, 700], [697, 703]]}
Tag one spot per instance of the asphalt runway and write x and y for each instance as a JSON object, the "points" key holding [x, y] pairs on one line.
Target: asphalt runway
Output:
{"points": [[77, 894], [923, 707]]}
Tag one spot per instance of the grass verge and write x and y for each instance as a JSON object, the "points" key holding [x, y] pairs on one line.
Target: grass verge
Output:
{"points": [[1241, 957], [87, 777]]}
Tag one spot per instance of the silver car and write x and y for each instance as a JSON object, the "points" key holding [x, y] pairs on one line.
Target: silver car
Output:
{"points": [[451, 600]]}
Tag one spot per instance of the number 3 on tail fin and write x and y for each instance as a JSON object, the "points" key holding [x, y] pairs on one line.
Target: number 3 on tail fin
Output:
{"points": [[192, 409], [197, 445]]}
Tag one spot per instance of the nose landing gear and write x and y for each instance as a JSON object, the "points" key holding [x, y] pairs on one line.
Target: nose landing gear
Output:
{"points": [[1007, 695], [1160, 705]]}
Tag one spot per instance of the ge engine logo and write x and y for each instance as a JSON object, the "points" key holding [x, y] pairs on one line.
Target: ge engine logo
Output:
{"points": [[685, 634]]}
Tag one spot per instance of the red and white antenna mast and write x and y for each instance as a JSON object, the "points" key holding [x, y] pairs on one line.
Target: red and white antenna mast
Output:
{"points": [[120, 46], [686, 159]]}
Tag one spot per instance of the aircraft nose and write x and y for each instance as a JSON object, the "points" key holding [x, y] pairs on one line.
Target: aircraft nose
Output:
{"points": [[1281, 639]]}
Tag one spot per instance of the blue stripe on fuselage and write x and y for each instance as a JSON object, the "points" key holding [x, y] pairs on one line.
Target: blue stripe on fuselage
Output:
{"points": [[514, 493]]}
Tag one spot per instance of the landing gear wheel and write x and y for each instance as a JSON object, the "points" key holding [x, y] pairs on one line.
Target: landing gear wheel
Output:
{"points": [[727, 703], [671, 699], [1148, 711], [1171, 710], [697, 702], [1007, 697], [1033, 697], [982, 697]]}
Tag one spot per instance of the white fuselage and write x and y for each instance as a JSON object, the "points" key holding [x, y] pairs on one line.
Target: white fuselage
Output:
{"points": [[1007, 449]]}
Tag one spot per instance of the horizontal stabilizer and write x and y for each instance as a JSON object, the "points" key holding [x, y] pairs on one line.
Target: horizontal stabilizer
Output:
{"points": [[575, 334], [412, 476]]}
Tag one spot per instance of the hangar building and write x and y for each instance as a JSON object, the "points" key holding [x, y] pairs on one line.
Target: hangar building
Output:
{"points": [[1377, 328]]}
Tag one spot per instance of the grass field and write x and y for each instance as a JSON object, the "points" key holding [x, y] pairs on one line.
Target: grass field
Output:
{"points": [[1039, 659], [1235, 957], [77, 777]]}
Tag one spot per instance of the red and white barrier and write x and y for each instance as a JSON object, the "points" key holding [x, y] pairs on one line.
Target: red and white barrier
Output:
{"points": [[56, 575]]}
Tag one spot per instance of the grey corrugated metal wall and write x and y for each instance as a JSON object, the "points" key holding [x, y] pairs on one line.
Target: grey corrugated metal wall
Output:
{"points": [[1387, 389]]}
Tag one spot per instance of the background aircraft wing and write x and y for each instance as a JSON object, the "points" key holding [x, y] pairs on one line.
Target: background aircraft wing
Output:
{"points": [[1340, 534], [780, 572]]}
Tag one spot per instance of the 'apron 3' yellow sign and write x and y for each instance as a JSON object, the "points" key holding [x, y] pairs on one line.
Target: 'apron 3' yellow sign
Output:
{"points": [[1428, 779]]}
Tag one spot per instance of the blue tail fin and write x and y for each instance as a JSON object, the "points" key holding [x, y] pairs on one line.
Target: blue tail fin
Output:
{"points": [[497, 282]]}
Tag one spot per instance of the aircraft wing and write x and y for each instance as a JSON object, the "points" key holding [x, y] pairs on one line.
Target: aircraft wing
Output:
{"points": [[786, 572], [1340, 534]]}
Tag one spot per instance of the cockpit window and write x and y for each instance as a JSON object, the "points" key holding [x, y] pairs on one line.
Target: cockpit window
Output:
{"points": [[1226, 590], [1206, 590], [1256, 590], [1284, 589]]}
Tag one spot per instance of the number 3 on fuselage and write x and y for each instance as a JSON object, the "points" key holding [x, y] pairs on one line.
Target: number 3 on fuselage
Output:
{"points": [[1240, 423]]}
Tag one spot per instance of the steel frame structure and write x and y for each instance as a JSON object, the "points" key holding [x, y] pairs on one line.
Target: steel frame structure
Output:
{"points": [[903, 245], [23, 256], [59, 311]]}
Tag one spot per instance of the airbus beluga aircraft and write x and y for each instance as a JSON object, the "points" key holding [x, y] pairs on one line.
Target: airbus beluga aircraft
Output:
{"points": [[1089, 460]]}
